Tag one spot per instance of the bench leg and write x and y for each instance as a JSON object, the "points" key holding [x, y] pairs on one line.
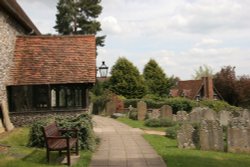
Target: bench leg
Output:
{"points": [[47, 155], [68, 156], [77, 148]]}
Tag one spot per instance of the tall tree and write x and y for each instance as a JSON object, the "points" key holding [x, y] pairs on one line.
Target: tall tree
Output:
{"points": [[203, 71], [155, 78], [243, 89], [125, 80], [226, 83], [79, 17]]}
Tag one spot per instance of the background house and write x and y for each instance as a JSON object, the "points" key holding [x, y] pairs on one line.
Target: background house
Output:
{"points": [[196, 89]]}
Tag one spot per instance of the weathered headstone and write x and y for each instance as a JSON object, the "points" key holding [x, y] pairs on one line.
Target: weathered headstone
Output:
{"points": [[238, 136], [182, 116], [110, 108], [6, 118], [211, 136], [196, 115], [142, 110], [209, 114], [154, 114], [185, 136], [166, 111], [224, 117]]}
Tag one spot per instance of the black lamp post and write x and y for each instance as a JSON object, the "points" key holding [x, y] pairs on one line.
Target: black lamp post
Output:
{"points": [[103, 70]]}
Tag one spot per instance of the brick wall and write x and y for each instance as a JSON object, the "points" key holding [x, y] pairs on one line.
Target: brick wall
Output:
{"points": [[9, 29]]}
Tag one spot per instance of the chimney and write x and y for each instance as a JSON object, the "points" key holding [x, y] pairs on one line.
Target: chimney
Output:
{"points": [[208, 87]]}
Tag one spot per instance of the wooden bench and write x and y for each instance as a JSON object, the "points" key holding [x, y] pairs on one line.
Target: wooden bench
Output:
{"points": [[56, 142]]}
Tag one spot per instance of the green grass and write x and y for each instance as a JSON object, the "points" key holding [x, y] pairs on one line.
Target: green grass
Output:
{"points": [[175, 157], [139, 124], [19, 155]]}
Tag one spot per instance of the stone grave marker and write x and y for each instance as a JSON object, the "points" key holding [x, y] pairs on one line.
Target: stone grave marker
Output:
{"points": [[185, 136], [110, 108], [142, 110], [166, 112], [211, 135]]}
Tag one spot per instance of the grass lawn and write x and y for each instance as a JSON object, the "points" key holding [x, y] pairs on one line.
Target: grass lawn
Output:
{"points": [[139, 124], [19, 155], [175, 157]]}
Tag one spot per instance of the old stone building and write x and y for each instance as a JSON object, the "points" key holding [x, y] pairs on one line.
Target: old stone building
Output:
{"points": [[13, 22]]}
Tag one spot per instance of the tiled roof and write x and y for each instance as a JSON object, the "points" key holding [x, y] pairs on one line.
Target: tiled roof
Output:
{"points": [[190, 88], [54, 60], [13, 9]]}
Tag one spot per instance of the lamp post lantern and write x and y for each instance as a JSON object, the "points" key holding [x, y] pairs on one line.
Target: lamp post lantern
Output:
{"points": [[103, 70]]}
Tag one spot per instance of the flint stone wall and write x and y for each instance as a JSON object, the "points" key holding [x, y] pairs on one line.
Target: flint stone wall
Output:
{"points": [[9, 29], [20, 119]]}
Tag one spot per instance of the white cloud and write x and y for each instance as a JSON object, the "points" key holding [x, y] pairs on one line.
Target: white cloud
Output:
{"points": [[208, 42], [110, 26]]}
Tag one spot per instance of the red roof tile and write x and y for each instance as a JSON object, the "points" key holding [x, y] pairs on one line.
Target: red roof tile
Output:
{"points": [[190, 88], [54, 60]]}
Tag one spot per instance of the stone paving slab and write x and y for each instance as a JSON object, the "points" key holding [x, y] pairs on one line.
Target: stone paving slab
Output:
{"points": [[122, 146]]}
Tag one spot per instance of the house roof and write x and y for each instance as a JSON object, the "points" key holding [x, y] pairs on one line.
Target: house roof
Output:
{"points": [[190, 88], [14, 10], [54, 60]]}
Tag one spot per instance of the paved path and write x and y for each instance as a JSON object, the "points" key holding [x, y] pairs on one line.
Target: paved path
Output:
{"points": [[122, 146]]}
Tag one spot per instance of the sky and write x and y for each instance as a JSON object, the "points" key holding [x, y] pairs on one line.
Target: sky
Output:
{"points": [[180, 35]]}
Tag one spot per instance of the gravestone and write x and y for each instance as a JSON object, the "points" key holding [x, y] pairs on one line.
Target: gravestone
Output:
{"points": [[142, 110], [166, 112], [185, 136], [224, 117], [110, 108], [154, 114], [6, 118], [211, 136], [238, 136], [196, 115], [209, 114], [182, 116]]}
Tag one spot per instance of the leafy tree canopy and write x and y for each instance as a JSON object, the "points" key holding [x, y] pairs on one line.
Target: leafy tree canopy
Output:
{"points": [[79, 17], [156, 80], [203, 71], [126, 80]]}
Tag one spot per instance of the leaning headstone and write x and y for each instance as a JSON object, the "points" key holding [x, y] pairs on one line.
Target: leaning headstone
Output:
{"points": [[211, 136], [209, 114], [110, 108], [154, 114], [238, 140], [195, 115], [185, 136], [166, 112], [182, 116], [1, 127], [224, 117], [142, 110], [6, 118]]}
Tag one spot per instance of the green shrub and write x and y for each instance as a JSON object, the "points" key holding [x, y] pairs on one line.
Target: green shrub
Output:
{"points": [[36, 138], [152, 122], [83, 123], [133, 114], [132, 102], [85, 129], [162, 122], [179, 104], [171, 132], [217, 105]]}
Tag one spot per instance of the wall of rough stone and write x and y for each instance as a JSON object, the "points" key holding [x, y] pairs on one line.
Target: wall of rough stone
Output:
{"points": [[9, 29], [26, 118]]}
